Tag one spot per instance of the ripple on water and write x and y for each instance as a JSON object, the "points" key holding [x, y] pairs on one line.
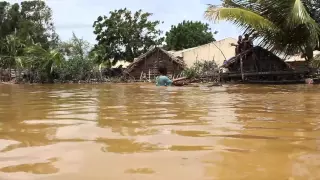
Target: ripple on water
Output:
{"points": [[142, 132]]}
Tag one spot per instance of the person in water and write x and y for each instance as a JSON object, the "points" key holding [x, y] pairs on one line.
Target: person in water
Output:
{"points": [[163, 80]]}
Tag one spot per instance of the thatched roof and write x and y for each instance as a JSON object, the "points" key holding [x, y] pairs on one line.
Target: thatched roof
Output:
{"points": [[259, 51], [141, 58]]}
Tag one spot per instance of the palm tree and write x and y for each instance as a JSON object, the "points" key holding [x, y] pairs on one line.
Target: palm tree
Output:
{"points": [[282, 26], [41, 60]]}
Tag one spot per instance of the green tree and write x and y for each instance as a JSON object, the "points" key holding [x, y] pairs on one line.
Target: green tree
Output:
{"points": [[313, 7], [36, 21], [125, 35], [9, 18], [76, 48], [78, 65], [283, 26], [31, 22], [188, 34]]}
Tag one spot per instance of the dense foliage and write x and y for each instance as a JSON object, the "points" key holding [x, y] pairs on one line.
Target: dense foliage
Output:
{"points": [[30, 46], [79, 65], [30, 21], [313, 7], [188, 34], [283, 26], [125, 35]]}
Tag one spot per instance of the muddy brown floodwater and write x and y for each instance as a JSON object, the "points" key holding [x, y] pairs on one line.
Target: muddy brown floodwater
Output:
{"points": [[138, 132]]}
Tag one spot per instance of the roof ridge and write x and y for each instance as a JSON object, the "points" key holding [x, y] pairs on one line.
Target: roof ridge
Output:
{"points": [[140, 58]]}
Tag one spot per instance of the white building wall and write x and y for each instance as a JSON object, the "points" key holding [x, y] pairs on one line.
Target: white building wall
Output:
{"points": [[211, 51]]}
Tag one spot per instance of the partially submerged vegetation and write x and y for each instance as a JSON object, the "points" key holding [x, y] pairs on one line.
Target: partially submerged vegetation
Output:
{"points": [[31, 51], [199, 72], [202, 70]]}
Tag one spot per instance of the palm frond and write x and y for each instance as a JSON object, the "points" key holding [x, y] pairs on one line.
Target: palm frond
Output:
{"points": [[36, 50], [243, 18], [299, 14], [19, 62], [282, 26], [57, 57]]}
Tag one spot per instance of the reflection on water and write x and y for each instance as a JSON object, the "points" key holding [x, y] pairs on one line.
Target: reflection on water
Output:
{"points": [[141, 132]]}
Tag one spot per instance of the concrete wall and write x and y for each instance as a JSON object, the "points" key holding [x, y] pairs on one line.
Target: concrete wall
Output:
{"points": [[211, 52]]}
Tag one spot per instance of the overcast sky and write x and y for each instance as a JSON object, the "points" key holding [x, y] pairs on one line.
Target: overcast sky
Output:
{"points": [[78, 15]]}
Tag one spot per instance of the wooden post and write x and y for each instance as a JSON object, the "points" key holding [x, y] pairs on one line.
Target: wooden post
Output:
{"points": [[141, 75], [241, 68], [149, 76]]}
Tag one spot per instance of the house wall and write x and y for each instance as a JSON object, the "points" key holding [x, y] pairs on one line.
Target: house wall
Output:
{"points": [[211, 52], [152, 62]]}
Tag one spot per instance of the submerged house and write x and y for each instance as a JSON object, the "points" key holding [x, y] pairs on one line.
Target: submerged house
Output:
{"points": [[146, 65], [258, 65]]}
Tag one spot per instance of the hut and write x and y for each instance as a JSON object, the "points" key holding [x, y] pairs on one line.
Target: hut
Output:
{"points": [[260, 65], [147, 64]]}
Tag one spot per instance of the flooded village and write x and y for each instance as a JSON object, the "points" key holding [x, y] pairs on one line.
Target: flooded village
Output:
{"points": [[80, 94], [253, 65]]}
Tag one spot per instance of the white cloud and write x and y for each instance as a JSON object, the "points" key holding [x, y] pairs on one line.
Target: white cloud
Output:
{"points": [[79, 15]]}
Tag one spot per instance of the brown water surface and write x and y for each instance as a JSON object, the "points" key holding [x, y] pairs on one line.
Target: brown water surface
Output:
{"points": [[138, 132]]}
